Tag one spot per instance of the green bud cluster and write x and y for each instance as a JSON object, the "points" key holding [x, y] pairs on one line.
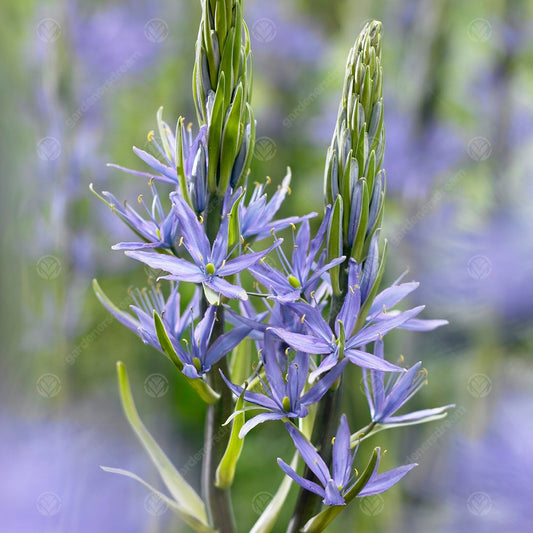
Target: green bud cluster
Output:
{"points": [[222, 86], [354, 182]]}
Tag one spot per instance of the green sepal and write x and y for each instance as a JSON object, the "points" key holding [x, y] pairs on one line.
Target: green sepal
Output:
{"points": [[206, 393], [226, 469], [365, 308], [334, 244], [230, 140], [180, 164], [214, 136], [182, 512], [226, 64], [180, 490], [359, 241], [221, 22], [320, 521]]}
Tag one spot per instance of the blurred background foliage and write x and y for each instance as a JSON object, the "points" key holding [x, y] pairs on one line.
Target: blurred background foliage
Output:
{"points": [[80, 83]]}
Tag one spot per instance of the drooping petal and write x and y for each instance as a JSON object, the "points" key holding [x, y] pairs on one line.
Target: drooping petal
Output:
{"points": [[221, 286], [389, 297], [252, 397], [309, 455], [224, 344], [151, 161], [259, 419], [352, 302], [342, 460], [305, 483]]}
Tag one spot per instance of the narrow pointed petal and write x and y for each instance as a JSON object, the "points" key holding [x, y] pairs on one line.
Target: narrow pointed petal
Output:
{"points": [[252, 397], [245, 261], [368, 360], [221, 286], [417, 415], [391, 296], [304, 343], [179, 268], [224, 344], [419, 324], [259, 419], [342, 459], [381, 482], [151, 161], [309, 455], [305, 483], [315, 393], [333, 495]]}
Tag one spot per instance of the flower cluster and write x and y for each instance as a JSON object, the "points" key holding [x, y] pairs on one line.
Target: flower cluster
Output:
{"points": [[311, 314]]}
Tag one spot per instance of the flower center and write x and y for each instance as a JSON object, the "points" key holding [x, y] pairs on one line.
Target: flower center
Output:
{"points": [[293, 280], [197, 364], [210, 268], [286, 402]]}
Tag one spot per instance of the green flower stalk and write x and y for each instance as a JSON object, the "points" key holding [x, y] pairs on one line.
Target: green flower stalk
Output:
{"points": [[222, 87], [354, 182]]}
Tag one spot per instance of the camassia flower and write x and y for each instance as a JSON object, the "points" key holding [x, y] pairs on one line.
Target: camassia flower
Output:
{"points": [[283, 395], [386, 395], [303, 274], [159, 230], [333, 346], [209, 264], [151, 299], [256, 215], [336, 484]]}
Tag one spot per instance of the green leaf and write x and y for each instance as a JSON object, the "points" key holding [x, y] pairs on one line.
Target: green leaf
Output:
{"points": [[320, 521], [180, 490], [241, 361], [268, 518], [234, 229], [214, 138], [226, 468], [206, 393], [184, 513], [334, 245]]}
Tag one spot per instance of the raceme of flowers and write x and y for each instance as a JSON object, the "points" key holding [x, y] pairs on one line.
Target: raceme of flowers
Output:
{"points": [[268, 329]]}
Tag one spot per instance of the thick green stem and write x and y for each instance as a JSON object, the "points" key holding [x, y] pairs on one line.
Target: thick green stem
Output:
{"points": [[216, 436], [324, 427]]}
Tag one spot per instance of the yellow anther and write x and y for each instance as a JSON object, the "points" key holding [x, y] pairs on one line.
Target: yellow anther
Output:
{"points": [[268, 180], [303, 318], [333, 441], [201, 219], [272, 232], [140, 198], [150, 136], [401, 359], [201, 256], [257, 184], [246, 246], [356, 472], [380, 336], [312, 294], [351, 290], [242, 239], [185, 341], [181, 241], [262, 260], [293, 225], [189, 126], [259, 352], [384, 308], [289, 190], [151, 181], [287, 350], [223, 264]]}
